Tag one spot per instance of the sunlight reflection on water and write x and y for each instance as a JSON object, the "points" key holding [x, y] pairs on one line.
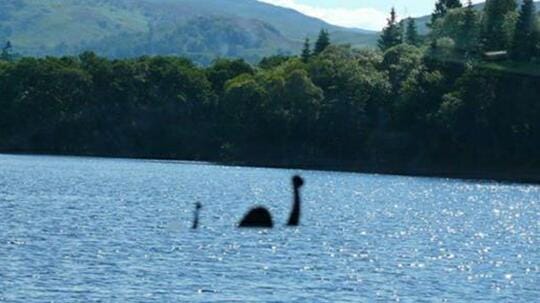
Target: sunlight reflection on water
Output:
{"points": [[88, 229]]}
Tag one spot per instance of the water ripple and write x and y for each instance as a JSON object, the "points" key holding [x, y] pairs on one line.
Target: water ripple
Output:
{"points": [[110, 230]]}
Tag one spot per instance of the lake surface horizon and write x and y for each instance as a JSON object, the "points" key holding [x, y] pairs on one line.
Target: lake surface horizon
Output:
{"points": [[118, 230]]}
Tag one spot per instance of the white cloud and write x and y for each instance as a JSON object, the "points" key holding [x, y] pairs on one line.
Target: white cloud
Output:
{"points": [[365, 18]]}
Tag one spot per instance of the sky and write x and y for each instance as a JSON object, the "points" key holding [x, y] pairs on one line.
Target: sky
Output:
{"points": [[366, 14]]}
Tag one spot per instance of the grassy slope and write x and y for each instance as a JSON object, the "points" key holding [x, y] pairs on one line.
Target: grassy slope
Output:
{"points": [[47, 23], [347, 37], [511, 67]]}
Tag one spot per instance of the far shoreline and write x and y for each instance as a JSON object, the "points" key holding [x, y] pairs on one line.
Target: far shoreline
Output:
{"points": [[336, 166]]}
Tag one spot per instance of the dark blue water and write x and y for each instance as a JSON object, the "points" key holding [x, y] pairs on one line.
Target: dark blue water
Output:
{"points": [[110, 230]]}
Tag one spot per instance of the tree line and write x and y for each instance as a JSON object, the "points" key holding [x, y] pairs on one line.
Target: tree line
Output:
{"points": [[397, 109], [467, 32]]}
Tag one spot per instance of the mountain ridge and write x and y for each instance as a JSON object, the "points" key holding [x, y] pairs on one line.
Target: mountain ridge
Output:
{"points": [[125, 28]]}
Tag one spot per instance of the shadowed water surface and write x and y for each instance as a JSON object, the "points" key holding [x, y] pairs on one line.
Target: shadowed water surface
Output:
{"points": [[113, 230]]}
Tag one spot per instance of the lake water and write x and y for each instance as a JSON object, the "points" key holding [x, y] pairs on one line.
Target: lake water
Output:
{"points": [[114, 230]]}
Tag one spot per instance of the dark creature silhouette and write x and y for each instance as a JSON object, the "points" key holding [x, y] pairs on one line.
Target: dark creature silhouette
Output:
{"points": [[198, 207], [260, 217]]}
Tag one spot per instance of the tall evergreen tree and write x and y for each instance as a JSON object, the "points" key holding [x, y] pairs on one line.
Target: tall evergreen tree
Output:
{"points": [[525, 34], [391, 34], [6, 51], [493, 35], [537, 52], [323, 41], [442, 7], [451, 4], [306, 51], [411, 36], [469, 31], [402, 29], [439, 12]]}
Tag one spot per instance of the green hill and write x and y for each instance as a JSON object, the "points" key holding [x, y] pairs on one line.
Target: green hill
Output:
{"points": [[199, 29]]}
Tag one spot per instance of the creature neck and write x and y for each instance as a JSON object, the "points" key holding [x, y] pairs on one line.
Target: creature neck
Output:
{"points": [[196, 220], [294, 219]]}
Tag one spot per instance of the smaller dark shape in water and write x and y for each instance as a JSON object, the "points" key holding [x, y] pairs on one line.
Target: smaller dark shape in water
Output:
{"points": [[198, 207]]}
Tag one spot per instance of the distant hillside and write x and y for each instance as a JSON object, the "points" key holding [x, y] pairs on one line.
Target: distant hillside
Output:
{"points": [[200, 29], [423, 21]]}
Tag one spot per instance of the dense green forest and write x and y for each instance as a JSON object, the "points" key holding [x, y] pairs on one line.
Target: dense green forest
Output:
{"points": [[430, 104]]}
